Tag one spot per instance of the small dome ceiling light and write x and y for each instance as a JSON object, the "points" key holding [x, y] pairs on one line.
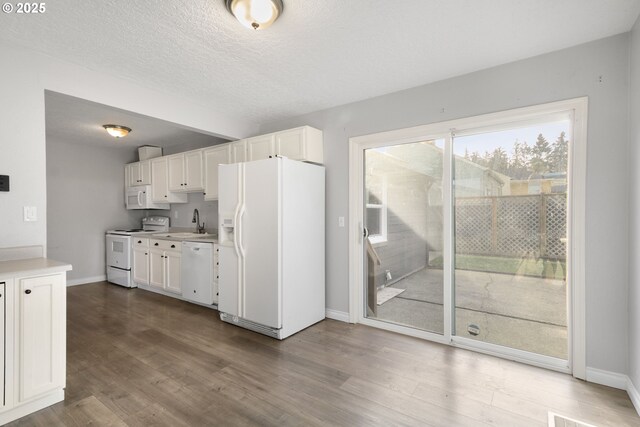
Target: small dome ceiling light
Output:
{"points": [[256, 14], [117, 131]]}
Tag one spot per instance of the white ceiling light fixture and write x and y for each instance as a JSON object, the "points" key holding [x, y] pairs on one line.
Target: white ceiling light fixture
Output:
{"points": [[117, 131], [256, 14]]}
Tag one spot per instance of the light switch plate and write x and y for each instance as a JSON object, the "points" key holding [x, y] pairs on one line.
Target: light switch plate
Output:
{"points": [[340, 221], [30, 213]]}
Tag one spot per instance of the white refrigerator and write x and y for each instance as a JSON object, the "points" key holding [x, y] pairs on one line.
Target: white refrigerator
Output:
{"points": [[272, 245]]}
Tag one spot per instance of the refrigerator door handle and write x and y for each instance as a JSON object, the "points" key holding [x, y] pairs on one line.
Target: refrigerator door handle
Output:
{"points": [[239, 228]]}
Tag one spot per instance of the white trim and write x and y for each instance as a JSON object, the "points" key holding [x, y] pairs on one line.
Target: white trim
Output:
{"points": [[521, 356], [85, 280], [634, 395], [356, 173], [576, 229], [341, 316], [608, 378], [576, 216]]}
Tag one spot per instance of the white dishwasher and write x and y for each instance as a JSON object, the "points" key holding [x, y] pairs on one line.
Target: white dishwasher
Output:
{"points": [[198, 275]]}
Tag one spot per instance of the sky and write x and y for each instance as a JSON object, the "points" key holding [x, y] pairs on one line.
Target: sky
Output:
{"points": [[489, 141]]}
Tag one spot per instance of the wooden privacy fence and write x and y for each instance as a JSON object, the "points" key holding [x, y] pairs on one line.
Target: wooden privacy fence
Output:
{"points": [[512, 226]]}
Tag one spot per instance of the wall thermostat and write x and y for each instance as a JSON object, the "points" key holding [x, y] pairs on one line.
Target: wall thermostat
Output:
{"points": [[4, 182]]}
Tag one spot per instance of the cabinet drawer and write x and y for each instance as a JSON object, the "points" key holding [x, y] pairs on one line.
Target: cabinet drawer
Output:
{"points": [[167, 245], [140, 242]]}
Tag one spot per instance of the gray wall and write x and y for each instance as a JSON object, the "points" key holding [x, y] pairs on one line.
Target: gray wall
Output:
{"points": [[598, 69], [85, 197], [634, 246], [181, 147]]}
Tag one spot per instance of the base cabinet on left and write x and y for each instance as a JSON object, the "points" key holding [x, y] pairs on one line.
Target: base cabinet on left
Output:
{"points": [[33, 332]]}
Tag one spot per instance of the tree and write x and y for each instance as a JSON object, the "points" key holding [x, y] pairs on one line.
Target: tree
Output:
{"points": [[540, 151], [559, 154], [519, 161], [499, 161]]}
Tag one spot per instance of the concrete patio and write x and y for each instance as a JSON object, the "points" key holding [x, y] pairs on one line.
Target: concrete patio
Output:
{"points": [[525, 313]]}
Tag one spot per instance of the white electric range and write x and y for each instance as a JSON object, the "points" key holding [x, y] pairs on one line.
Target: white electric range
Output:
{"points": [[119, 251]]}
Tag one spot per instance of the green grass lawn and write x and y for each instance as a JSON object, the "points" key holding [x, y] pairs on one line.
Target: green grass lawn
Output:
{"points": [[548, 269]]}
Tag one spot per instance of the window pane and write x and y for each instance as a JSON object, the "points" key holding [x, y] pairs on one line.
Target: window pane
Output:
{"points": [[510, 205]]}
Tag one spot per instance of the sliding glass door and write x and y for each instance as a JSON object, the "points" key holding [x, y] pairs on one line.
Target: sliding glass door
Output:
{"points": [[465, 235]]}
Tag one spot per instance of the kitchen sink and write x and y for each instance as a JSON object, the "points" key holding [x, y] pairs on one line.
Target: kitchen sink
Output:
{"points": [[184, 235]]}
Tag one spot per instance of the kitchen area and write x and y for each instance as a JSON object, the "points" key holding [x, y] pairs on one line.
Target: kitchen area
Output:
{"points": [[222, 224]]}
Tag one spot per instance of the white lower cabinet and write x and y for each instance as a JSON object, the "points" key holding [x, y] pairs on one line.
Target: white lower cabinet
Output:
{"points": [[160, 267], [140, 260], [41, 335], [33, 337]]}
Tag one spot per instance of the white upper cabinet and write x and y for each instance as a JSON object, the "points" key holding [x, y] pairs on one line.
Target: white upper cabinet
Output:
{"points": [[139, 173], [160, 183], [261, 147], [185, 171], [176, 172], [238, 151], [303, 143], [214, 156], [193, 170]]}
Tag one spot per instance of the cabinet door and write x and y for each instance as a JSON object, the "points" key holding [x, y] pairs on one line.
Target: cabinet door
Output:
{"points": [[172, 271], [141, 265], [156, 268], [176, 172], [291, 144], [134, 174], [145, 172], [261, 147], [193, 170], [159, 180], [212, 158], [239, 151], [41, 334]]}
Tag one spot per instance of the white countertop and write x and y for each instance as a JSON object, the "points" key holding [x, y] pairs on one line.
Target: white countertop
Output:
{"points": [[31, 266]]}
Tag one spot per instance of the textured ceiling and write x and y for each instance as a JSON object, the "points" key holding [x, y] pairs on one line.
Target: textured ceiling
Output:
{"points": [[78, 121], [321, 53]]}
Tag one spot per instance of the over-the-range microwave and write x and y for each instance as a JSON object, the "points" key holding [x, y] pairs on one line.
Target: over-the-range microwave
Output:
{"points": [[139, 197]]}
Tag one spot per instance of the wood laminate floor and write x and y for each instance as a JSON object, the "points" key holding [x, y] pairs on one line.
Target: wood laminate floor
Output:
{"points": [[140, 359]]}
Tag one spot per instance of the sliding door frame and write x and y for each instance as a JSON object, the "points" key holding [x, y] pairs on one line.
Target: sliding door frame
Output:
{"points": [[576, 301]]}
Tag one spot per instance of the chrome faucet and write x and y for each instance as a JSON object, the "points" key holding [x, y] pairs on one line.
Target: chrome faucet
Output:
{"points": [[196, 221]]}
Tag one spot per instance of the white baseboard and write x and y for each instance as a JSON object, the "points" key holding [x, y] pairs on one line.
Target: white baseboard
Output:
{"points": [[86, 280], [342, 316], [608, 378], [634, 395]]}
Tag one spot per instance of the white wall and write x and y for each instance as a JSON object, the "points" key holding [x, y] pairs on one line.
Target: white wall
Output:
{"points": [[560, 75], [24, 76], [634, 212], [85, 197]]}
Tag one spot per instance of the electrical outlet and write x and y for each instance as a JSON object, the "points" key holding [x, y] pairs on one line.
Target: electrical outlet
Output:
{"points": [[175, 214], [340, 221]]}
